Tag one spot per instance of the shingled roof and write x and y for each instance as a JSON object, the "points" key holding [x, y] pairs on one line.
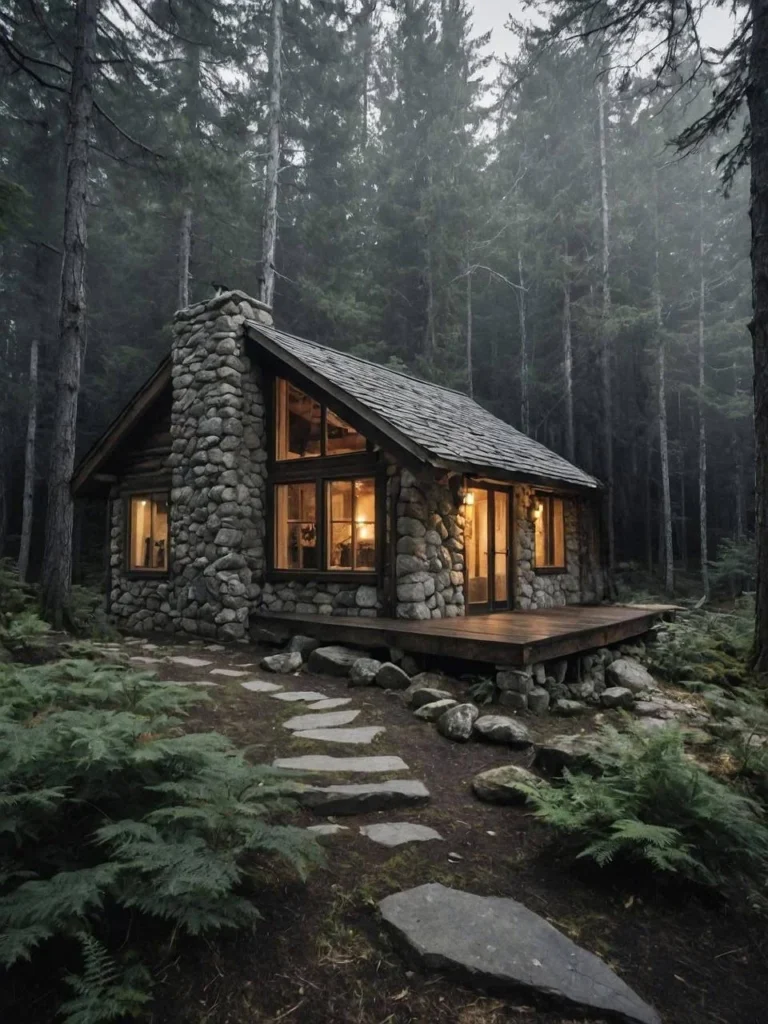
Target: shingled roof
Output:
{"points": [[447, 426]]}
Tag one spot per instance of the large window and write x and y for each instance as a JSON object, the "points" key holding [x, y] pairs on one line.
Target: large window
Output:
{"points": [[306, 429], [549, 520], [348, 541], [148, 533], [351, 517]]}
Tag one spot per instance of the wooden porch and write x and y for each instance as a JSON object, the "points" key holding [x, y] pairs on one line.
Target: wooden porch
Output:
{"points": [[503, 638]]}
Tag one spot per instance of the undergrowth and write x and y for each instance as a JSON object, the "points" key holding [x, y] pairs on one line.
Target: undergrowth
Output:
{"points": [[111, 813], [652, 804], [710, 647]]}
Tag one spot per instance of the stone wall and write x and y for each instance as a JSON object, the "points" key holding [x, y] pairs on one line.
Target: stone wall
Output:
{"points": [[545, 590], [219, 456], [141, 603], [429, 565], [315, 598]]}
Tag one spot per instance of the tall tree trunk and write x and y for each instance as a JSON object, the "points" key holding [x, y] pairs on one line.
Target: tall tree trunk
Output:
{"points": [[757, 100], [429, 330], [570, 444], [661, 396], [525, 411], [29, 456], [470, 377], [648, 501], [269, 224], [57, 559], [605, 349], [185, 249], [704, 553]]}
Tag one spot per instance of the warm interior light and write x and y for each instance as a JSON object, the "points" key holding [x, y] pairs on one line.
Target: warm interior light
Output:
{"points": [[365, 532], [143, 503], [538, 508], [469, 498]]}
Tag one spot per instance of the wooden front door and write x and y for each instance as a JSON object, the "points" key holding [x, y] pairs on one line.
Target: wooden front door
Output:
{"points": [[487, 538]]}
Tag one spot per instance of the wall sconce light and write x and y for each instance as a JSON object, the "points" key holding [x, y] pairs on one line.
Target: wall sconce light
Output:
{"points": [[469, 498], [536, 511]]}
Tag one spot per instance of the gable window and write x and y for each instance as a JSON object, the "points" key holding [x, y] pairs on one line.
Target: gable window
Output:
{"points": [[549, 526], [148, 533], [306, 429], [351, 518]]}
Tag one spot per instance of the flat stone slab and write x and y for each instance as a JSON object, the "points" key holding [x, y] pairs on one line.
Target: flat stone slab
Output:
{"points": [[309, 696], [361, 797], [230, 673], [189, 682], [145, 661], [363, 734], [183, 659], [328, 703], [498, 943], [327, 721], [327, 828], [260, 686], [395, 833], [329, 763]]}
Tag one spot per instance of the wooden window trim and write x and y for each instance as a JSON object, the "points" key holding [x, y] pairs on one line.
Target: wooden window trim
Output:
{"points": [[547, 501], [126, 495], [272, 385]]}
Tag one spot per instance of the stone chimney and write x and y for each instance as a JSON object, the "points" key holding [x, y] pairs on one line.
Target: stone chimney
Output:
{"points": [[218, 459]]}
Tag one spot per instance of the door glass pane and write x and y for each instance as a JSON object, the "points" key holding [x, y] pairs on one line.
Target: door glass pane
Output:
{"points": [[476, 543], [295, 526], [501, 546], [299, 423]]}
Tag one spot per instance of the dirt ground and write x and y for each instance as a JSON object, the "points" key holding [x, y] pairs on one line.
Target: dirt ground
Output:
{"points": [[319, 955]]}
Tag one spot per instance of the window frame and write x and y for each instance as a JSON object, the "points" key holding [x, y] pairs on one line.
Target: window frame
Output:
{"points": [[548, 500], [320, 470], [304, 460], [127, 497]]}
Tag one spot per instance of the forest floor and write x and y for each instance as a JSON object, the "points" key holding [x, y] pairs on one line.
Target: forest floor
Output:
{"points": [[319, 955]]}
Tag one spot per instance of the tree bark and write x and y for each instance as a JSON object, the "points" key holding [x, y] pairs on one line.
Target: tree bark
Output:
{"points": [[605, 350], [185, 249], [525, 411], [704, 553], [570, 444], [56, 578], [661, 395], [269, 223], [757, 100], [28, 497], [470, 377]]}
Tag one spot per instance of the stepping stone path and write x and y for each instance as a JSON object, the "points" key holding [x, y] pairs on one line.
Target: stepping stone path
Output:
{"points": [[327, 721], [260, 686], [329, 763], [395, 833], [231, 673], [182, 659], [145, 661], [310, 696], [330, 702], [492, 941], [364, 734], [328, 828], [362, 797]]}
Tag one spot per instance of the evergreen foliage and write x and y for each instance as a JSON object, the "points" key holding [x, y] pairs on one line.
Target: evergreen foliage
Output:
{"points": [[652, 804], [107, 805], [711, 647]]}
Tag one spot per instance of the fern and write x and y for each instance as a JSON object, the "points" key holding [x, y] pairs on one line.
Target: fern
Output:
{"points": [[107, 803], [105, 991], [654, 805]]}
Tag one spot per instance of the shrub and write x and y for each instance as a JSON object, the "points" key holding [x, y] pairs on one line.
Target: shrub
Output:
{"points": [[88, 616], [734, 569], [653, 804], [712, 647], [107, 805]]}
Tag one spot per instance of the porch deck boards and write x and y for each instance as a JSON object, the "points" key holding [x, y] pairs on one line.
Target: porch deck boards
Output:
{"points": [[503, 638]]}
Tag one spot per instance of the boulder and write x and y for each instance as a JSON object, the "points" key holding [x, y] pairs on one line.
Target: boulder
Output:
{"points": [[363, 672], [502, 729], [514, 680], [289, 661], [573, 752], [617, 697], [496, 942], [498, 785], [417, 696], [568, 708], [538, 700], [431, 712], [582, 690], [437, 680], [456, 723], [513, 700], [332, 661], [303, 644], [392, 677], [630, 674]]}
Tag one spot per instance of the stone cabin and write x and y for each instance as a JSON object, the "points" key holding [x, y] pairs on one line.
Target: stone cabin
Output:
{"points": [[256, 472]]}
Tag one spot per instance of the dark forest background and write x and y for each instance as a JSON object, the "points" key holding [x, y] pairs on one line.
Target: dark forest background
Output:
{"points": [[436, 212]]}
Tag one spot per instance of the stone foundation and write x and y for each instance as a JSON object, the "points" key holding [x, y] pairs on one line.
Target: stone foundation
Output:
{"points": [[311, 598]]}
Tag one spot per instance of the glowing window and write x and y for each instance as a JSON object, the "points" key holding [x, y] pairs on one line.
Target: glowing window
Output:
{"points": [[351, 519], [296, 526], [299, 423], [549, 520], [148, 533]]}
